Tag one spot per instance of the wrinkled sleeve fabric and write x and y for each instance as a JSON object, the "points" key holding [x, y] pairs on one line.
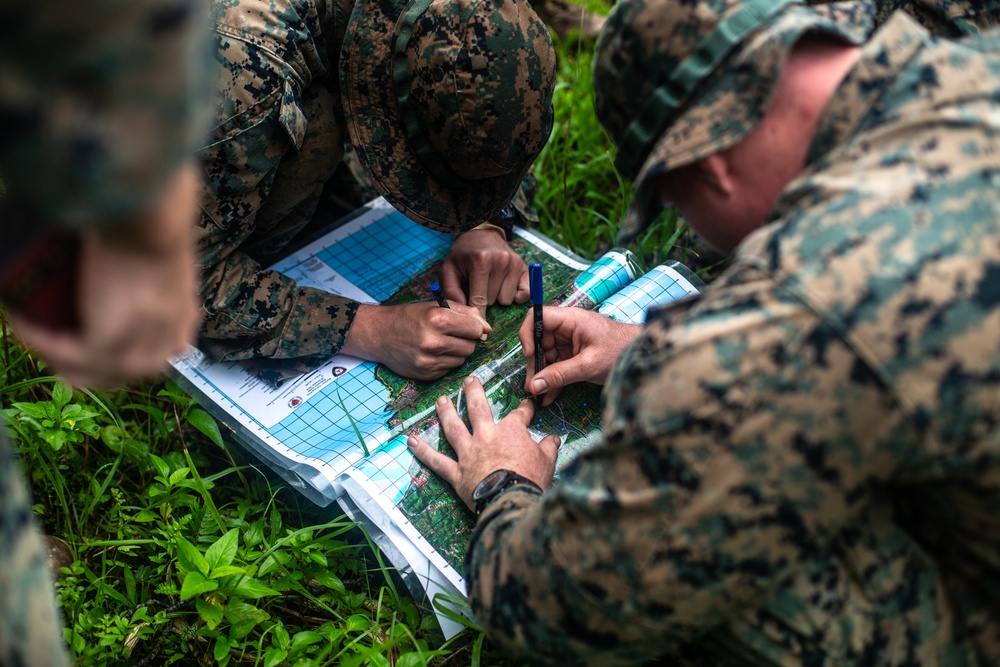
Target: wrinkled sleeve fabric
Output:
{"points": [[275, 144], [100, 102], [727, 460], [256, 313], [944, 18]]}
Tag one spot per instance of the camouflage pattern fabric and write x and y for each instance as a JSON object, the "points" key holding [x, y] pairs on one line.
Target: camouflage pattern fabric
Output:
{"points": [[278, 138], [287, 70], [30, 628], [802, 465], [99, 105], [448, 102], [945, 18], [638, 99], [90, 135]]}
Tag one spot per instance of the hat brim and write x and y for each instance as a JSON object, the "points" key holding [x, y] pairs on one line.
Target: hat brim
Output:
{"points": [[379, 136], [735, 98]]}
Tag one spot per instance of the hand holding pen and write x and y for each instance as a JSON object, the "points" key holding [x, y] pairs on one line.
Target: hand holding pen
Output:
{"points": [[439, 295]]}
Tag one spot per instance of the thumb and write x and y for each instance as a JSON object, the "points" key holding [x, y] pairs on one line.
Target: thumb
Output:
{"points": [[554, 377], [550, 447]]}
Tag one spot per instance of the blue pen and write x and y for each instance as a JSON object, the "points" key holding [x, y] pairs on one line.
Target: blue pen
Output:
{"points": [[535, 281], [436, 291]]}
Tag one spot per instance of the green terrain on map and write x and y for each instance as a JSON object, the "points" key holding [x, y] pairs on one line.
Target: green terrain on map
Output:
{"points": [[429, 504]]}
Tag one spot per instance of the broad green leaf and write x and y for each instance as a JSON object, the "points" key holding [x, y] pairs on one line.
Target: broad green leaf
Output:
{"points": [[210, 613], [279, 635], [61, 394], [223, 551], [417, 658], [273, 562], [89, 427], [75, 412], [35, 410], [190, 558], [205, 423], [254, 533], [57, 438], [357, 622], [305, 638], [274, 656], [330, 580], [227, 571], [244, 618], [221, 648], [145, 516], [112, 436], [160, 465], [253, 589], [177, 475], [195, 583]]}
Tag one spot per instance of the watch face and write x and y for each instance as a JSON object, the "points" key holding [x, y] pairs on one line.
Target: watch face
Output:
{"points": [[489, 483]]}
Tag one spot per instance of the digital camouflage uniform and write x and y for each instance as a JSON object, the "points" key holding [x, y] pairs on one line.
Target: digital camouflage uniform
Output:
{"points": [[801, 466], [90, 132], [944, 18], [299, 78]]}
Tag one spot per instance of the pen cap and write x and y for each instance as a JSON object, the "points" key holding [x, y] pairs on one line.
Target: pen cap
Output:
{"points": [[535, 280]]}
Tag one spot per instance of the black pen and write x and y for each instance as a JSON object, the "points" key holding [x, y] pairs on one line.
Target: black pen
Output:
{"points": [[535, 282], [436, 291]]}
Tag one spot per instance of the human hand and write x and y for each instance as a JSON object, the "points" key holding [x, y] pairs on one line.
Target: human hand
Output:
{"points": [[416, 340], [580, 346], [490, 446], [136, 296], [482, 260]]}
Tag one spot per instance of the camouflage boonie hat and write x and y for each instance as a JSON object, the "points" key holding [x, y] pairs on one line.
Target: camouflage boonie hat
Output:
{"points": [[676, 81], [448, 102]]}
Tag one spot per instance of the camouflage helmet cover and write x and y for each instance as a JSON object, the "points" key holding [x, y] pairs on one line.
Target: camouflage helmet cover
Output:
{"points": [[447, 102], [677, 80]]}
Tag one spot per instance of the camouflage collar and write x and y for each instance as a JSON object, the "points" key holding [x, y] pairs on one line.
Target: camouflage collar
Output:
{"points": [[882, 58]]}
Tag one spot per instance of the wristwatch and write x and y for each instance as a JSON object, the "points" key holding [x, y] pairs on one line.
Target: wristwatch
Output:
{"points": [[496, 483], [504, 219]]}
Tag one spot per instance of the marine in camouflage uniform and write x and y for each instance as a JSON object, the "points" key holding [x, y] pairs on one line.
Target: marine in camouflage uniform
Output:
{"points": [[89, 134], [801, 466], [299, 79]]}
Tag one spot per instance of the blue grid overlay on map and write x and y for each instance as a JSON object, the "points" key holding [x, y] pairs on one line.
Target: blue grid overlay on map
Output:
{"points": [[631, 303], [413, 247], [320, 428]]}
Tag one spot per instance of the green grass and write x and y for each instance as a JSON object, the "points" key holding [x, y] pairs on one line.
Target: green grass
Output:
{"points": [[182, 551], [582, 199]]}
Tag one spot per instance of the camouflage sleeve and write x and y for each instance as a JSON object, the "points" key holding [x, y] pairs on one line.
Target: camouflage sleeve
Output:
{"points": [[740, 434], [255, 313], [30, 627], [944, 18], [99, 103], [276, 142]]}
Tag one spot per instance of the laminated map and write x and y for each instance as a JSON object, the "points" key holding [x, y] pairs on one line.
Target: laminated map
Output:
{"points": [[338, 433]]}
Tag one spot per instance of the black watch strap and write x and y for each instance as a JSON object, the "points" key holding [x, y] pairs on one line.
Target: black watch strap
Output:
{"points": [[495, 484], [505, 219]]}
